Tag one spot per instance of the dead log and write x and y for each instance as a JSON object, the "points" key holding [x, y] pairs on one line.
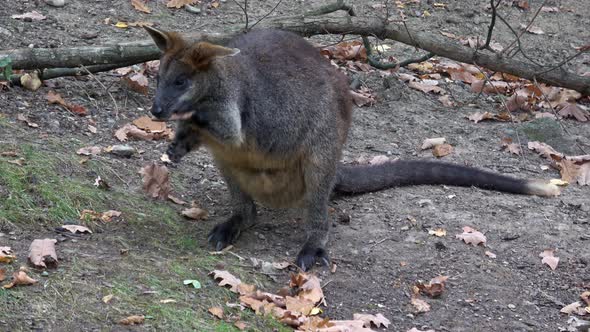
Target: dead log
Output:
{"points": [[305, 25]]}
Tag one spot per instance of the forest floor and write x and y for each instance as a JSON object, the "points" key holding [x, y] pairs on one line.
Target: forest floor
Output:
{"points": [[143, 257]]}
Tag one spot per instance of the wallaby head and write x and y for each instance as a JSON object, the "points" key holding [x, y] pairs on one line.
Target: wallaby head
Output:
{"points": [[187, 76]]}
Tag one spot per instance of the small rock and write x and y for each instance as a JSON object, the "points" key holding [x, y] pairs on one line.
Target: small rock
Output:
{"points": [[261, 236], [192, 9], [123, 150], [424, 202], [56, 3], [511, 306], [45, 274], [344, 219]]}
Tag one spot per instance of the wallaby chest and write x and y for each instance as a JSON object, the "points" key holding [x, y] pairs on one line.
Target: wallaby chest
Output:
{"points": [[272, 181]]}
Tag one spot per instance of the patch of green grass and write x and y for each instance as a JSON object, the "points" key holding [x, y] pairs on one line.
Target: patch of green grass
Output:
{"points": [[51, 187], [38, 191]]}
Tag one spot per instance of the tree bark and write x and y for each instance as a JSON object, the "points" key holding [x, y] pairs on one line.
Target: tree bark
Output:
{"points": [[304, 25]]}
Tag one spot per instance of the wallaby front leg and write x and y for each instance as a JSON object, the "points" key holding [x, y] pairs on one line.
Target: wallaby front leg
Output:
{"points": [[186, 139], [243, 216]]}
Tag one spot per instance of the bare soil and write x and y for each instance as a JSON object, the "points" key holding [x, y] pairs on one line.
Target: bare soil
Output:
{"points": [[380, 253]]}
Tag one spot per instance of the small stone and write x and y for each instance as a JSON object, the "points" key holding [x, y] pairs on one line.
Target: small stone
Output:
{"points": [[192, 9], [123, 150], [261, 236], [56, 3], [45, 274], [511, 306], [424, 202], [405, 228]]}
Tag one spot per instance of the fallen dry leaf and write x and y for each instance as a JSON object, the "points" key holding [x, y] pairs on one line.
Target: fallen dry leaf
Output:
{"points": [[298, 305], [490, 254], [575, 308], [31, 81], [549, 259], [420, 305], [140, 6], [179, 3], [378, 160], [76, 229], [440, 232], [107, 298], [226, 279], [442, 150], [32, 15], [156, 180], [434, 288], [136, 81], [20, 278], [532, 29], [6, 255], [477, 116], [446, 101], [513, 148], [216, 311], [89, 150], [586, 297], [471, 236], [148, 124], [176, 200], [240, 325], [426, 86], [362, 98], [195, 213], [109, 215], [129, 130], [55, 98], [2, 274], [571, 110], [432, 142], [42, 253], [377, 320], [132, 320], [24, 118], [544, 149]]}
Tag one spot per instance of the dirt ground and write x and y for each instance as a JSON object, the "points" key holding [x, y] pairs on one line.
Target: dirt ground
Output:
{"points": [[380, 253]]}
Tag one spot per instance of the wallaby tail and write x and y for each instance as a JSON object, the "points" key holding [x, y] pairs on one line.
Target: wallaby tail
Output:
{"points": [[356, 179]]}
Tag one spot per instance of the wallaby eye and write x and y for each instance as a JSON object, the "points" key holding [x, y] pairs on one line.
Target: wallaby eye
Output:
{"points": [[180, 81]]}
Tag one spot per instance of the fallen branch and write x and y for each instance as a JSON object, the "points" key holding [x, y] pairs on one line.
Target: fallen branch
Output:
{"points": [[305, 25]]}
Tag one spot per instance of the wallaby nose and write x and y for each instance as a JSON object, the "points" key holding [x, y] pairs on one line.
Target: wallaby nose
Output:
{"points": [[156, 110]]}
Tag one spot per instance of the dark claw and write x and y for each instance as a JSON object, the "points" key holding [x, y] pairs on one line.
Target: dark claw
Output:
{"points": [[224, 234], [310, 255]]}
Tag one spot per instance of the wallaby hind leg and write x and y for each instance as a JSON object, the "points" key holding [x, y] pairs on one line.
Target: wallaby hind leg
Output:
{"points": [[243, 215], [319, 183]]}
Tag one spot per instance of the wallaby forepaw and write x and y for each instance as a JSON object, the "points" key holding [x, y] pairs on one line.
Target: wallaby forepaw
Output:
{"points": [[175, 153], [224, 234], [310, 255]]}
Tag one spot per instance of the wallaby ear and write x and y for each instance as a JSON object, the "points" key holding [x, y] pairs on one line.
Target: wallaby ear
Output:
{"points": [[203, 53], [162, 39]]}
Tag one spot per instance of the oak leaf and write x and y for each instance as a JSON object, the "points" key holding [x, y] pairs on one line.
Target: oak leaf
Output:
{"points": [[42, 253], [20, 278], [471, 236]]}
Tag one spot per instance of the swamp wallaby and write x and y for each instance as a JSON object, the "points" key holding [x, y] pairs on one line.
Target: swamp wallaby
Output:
{"points": [[275, 114]]}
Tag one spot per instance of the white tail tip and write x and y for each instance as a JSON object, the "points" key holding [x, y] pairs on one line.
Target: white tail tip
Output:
{"points": [[542, 188]]}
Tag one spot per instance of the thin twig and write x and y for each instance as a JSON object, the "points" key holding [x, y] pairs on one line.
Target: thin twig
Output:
{"points": [[562, 62], [267, 14], [527, 27], [487, 80], [518, 41], [491, 28], [556, 114], [245, 10], [105, 88]]}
